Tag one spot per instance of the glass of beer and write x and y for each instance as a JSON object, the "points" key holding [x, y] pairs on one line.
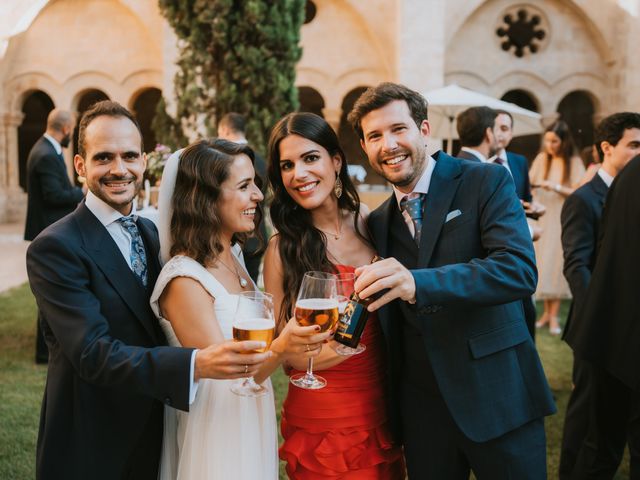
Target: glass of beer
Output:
{"points": [[344, 283], [317, 304], [254, 320]]}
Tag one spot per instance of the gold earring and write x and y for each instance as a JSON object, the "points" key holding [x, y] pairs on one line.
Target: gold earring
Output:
{"points": [[337, 187]]}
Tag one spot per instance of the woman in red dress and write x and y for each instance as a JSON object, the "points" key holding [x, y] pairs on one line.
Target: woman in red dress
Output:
{"points": [[340, 431]]}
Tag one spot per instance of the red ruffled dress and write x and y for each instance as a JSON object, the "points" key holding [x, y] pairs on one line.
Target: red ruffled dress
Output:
{"points": [[341, 431]]}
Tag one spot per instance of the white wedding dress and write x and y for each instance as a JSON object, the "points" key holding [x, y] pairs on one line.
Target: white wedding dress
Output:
{"points": [[223, 436]]}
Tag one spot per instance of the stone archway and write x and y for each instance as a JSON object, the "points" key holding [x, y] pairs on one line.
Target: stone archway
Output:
{"points": [[311, 100], [350, 141], [36, 108], [577, 109], [527, 145], [144, 108], [85, 100]]}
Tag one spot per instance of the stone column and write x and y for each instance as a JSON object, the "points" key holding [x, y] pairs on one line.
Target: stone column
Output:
{"points": [[421, 44], [15, 204], [332, 116]]}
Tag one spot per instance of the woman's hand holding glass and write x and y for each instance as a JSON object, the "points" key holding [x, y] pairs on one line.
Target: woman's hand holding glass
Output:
{"points": [[296, 341]]}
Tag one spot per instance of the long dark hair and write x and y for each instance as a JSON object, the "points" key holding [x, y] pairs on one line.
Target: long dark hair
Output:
{"points": [[567, 149], [195, 223], [303, 247]]}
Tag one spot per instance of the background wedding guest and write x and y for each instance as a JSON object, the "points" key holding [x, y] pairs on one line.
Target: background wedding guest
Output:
{"points": [[110, 373], [232, 127], [51, 195], [481, 139], [555, 172], [591, 159], [618, 140]]}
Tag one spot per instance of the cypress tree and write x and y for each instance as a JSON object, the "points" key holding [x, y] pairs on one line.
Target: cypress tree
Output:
{"points": [[235, 55]]}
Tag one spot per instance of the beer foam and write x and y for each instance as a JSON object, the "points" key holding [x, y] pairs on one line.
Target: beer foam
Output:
{"points": [[317, 303], [254, 324]]}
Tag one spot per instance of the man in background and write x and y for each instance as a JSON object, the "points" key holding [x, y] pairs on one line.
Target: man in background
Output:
{"points": [[51, 195], [232, 127], [479, 131]]}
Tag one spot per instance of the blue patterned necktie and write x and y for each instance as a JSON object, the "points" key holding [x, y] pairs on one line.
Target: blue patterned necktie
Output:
{"points": [[137, 256], [412, 204]]}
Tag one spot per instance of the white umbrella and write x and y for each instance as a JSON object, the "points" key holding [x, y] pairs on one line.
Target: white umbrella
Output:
{"points": [[447, 102]]}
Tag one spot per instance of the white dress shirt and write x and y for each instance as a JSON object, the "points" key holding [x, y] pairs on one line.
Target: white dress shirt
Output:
{"points": [[108, 217], [56, 145], [606, 178], [502, 155], [421, 187]]}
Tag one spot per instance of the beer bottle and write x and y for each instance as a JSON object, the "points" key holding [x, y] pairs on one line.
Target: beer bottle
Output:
{"points": [[352, 322]]}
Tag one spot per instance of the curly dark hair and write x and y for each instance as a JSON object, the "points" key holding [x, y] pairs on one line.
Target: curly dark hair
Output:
{"points": [[567, 149], [195, 223], [303, 247]]}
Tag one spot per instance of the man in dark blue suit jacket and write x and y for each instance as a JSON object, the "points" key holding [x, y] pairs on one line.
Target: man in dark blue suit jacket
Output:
{"points": [[110, 371], [51, 195], [618, 141], [467, 387]]}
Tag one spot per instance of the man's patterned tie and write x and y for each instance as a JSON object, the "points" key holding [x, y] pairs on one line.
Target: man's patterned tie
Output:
{"points": [[138, 256], [413, 204]]}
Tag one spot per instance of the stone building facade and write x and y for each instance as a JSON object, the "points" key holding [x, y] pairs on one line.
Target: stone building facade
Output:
{"points": [[568, 56]]}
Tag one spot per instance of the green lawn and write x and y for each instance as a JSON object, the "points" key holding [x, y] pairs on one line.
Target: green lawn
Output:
{"points": [[21, 384]]}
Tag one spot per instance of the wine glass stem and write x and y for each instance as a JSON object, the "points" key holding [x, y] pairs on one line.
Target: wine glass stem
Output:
{"points": [[310, 368]]}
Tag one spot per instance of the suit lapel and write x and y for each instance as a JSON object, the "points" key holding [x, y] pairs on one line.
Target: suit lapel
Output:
{"points": [[102, 249], [442, 188]]}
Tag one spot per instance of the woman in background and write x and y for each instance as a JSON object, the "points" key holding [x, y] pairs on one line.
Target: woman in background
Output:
{"points": [[555, 174], [341, 430]]}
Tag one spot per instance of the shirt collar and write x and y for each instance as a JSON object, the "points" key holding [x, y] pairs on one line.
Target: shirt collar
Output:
{"points": [[472, 151], [106, 214], [606, 178], [56, 145], [423, 183]]}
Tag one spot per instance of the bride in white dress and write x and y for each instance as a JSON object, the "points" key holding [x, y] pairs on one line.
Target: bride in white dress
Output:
{"points": [[208, 199]]}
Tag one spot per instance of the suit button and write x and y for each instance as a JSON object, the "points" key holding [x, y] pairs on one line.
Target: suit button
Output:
{"points": [[167, 401]]}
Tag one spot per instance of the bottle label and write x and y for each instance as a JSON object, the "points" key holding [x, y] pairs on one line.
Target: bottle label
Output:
{"points": [[347, 325]]}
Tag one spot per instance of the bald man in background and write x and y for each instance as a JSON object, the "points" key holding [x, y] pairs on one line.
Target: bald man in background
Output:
{"points": [[51, 195]]}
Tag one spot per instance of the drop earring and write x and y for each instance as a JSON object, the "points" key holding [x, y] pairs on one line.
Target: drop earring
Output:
{"points": [[337, 187]]}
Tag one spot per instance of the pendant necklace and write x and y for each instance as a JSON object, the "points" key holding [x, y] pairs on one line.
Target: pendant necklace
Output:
{"points": [[241, 280], [335, 235]]}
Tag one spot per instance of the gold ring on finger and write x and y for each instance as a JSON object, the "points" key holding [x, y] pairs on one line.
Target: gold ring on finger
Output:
{"points": [[307, 348], [246, 368]]}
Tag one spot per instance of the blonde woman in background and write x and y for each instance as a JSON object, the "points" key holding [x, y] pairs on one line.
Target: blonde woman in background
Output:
{"points": [[555, 174]]}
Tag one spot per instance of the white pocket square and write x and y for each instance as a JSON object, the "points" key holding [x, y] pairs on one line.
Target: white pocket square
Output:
{"points": [[451, 215]]}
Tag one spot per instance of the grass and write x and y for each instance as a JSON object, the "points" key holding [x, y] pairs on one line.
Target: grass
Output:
{"points": [[22, 382]]}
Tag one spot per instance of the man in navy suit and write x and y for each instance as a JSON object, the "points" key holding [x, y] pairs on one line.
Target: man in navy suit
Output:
{"points": [[51, 195], [110, 372], [467, 388], [618, 141]]}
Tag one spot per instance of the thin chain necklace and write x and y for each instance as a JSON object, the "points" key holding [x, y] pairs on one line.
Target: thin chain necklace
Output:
{"points": [[241, 280], [337, 234]]}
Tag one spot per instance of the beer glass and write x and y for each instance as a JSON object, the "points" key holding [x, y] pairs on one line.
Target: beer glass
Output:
{"points": [[253, 320], [317, 304], [344, 283]]}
